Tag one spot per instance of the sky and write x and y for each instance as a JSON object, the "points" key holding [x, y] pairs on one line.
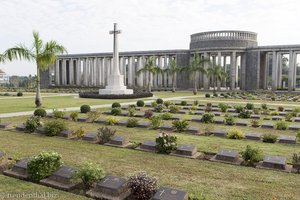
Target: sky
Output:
{"points": [[82, 26]]}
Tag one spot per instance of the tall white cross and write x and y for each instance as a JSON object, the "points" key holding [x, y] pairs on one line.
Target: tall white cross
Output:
{"points": [[115, 69]]}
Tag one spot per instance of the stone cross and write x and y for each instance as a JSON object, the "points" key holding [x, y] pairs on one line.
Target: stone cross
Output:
{"points": [[115, 68]]}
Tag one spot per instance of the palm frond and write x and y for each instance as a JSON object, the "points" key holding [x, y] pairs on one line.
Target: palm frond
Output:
{"points": [[19, 52], [2, 58]]}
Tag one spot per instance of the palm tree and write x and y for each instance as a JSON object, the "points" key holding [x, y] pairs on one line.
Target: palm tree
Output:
{"points": [[224, 77], [152, 69], [2, 58], [42, 54], [172, 70], [215, 72], [197, 65]]}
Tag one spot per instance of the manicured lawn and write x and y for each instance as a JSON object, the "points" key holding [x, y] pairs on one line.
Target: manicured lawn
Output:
{"points": [[212, 180]]}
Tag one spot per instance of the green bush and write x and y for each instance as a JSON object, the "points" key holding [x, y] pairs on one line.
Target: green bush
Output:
{"points": [[132, 122], [196, 103], [116, 105], [166, 116], [148, 114], [174, 109], [289, 117], [85, 108], [256, 111], [215, 95], [40, 112], [180, 125], [274, 113], [79, 133], [250, 106], [153, 104], [167, 103], [74, 116], [58, 114], [207, 95], [255, 123], [281, 125], [280, 108], [19, 94], [93, 115], [223, 107], [245, 114], [140, 103], [54, 127], [43, 165], [296, 162], [238, 108], [235, 134], [166, 143], [88, 174], [264, 106], [116, 111], [252, 155], [111, 121], [159, 108], [131, 111], [230, 120], [296, 111], [142, 185], [183, 103], [298, 135], [156, 122], [208, 118], [105, 134], [269, 138], [32, 123], [159, 101]]}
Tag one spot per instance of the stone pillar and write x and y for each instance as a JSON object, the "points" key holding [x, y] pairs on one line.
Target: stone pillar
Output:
{"points": [[64, 72], [274, 71], [225, 69], [130, 71], [291, 77], [233, 71], [140, 76], [165, 74], [85, 72], [71, 71], [205, 79], [220, 58], [103, 71], [243, 71], [98, 72], [266, 72], [258, 70], [91, 71], [169, 76], [57, 74], [78, 74], [279, 73], [160, 76], [122, 68]]}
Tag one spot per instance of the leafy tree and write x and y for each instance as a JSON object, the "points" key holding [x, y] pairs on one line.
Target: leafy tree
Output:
{"points": [[152, 69], [172, 70], [215, 72], [44, 54]]}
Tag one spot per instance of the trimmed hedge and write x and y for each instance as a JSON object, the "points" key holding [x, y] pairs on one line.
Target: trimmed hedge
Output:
{"points": [[96, 95]]}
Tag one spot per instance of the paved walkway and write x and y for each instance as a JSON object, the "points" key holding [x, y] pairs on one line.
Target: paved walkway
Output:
{"points": [[29, 97]]}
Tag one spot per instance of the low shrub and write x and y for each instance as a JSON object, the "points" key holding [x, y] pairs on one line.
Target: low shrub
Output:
{"points": [[174, 109], [116, 111], [256, 111], [32, 123], [153, 104], [230, 120], [289, 117], [148, 114], [19, 94], [43, 165], [105, 134], [264, 106], [208, 118], [296, 162], [183, 103], [88, 173], [280, 108], [238, 108], [115, 105], [140, 103], [156, 122], [58, 113], [93, 115], [85, 108], [132, 122], [223, 107], [208, 107], [166, 143], [54, 127], [167, 103], [298, 135], [207, 95], [40, 112], [159, 108], [196, 103], [296, 111], [255, 123], [281, 125], [235, 134], [159, 101], [215, 95], [180, 125], [142, 185], [74, 116], [166, 116], [245, 114], [269, 138], [111, 121], [131, 111], [252, 155], [274, 113], [79, 133], [250, 106]]}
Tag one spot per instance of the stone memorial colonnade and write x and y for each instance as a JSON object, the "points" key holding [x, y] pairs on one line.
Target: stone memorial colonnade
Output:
{"points": [[248, 65]]}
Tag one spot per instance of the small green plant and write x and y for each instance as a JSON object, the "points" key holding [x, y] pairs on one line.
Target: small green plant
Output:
{"points": [[142, 185], [230, 120], [208, 107], [166, 116], [289, 117], [238, 108], [40, 112], [252, 155], [88, 174], [180, 125], [140, 103], [131, 111], [280, 108], [208, 129], [264, 106], [32, 123], [296, 162], [148, 114], [256, 111], [153, 104], [79, 133], [249, 106], [85, 108], [244, 114], [116, 111], [174, 109], [196, 103], [167, 103], [274, 113], [166, 143], [159, 101], [296, 111], [207, 95], [93, 115], [183, 103], [298, 135], [208, 118], [110, 121], [58, 113], [105, 134], [159, 108], [54, 127], [74, 116], [115, 105], [255, 123], [19, 94], [43, 164], [269, 138], [281, 125], [223, 107], [235, 134], [132, 122], [156, 122]]}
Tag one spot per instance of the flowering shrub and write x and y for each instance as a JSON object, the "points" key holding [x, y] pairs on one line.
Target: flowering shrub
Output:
{"points": [[54, 127], [142, 185], [32, 123], [166, 143], [180, 125], [111, 121], [148, 114], [252, 155], [174, 109], [156, 122], [105, 134], [166, 116]]}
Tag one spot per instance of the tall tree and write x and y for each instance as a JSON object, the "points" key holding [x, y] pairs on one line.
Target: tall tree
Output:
{"points": [[151, 68], [172, 70], [43, 54], [197, 65], [215, 72]]}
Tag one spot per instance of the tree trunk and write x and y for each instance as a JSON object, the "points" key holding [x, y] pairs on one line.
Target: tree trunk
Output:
{"points": [[173, 83], [149, 82], [38, 98], [195, 84]]}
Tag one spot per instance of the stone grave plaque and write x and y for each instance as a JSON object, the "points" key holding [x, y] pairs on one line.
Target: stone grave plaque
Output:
{"points": [[241, 123], [227, 155], [215, 106], [175, 118], [196, 120], [66, 116], [282, 113], [148, 105], [122, 122], [165, 193], [277, 118], [119, 140], [19, 170], [100, 121], [294, 127], [182, 112], [252, 136], [61, 179], [50, 115], [110, 187], [297, 119], [148, 145], [107, 112], [231, 110], [152, 109], [143, 124], [41, 130], [4, 124], [288, 109], [220, 133], [272, 109], [235, 114], [21, 128], [267, 125], [167, 127], [275, 162], [178, 103], [287, 139], [219, 121], [192, 130], [189, 104], [139, 115], [66, 133], [186, 150], [186, 107], [82, 119], [166, 110], [90, 136], [199, 112], [201, 108], [124, 113], [254, 116], [216, 109], [217, 113]]}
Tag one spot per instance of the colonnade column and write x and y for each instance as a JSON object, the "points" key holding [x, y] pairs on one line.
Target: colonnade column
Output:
{"points": [[165, 74], [220, 64], [205, 79], [130, 71], [160, 76], [233, 71], [225, 69], [98, 72], [140, 76], [170, 82], [85, 78], [71, 72], [57, 74], [123, 69], [243, 71], [279, 72], [78, 73], [291, 73], [103, 71], [64, 72], [274, 71]]}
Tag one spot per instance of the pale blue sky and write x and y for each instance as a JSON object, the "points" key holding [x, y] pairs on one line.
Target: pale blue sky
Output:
{"points": [[82, 25]]}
